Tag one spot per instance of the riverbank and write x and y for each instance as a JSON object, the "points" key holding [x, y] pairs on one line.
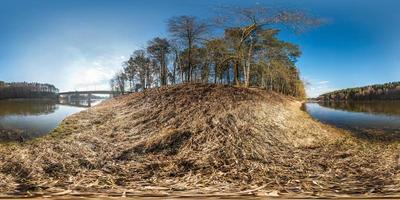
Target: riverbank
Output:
{"points": [[199, 139]]}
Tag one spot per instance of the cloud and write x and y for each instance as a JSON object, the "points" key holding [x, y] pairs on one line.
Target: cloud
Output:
{"points": [[323, 82], [78, 58], [93, 78], [314, 88], [92, 73]]}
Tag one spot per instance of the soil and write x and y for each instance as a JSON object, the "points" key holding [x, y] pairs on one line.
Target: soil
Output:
{"points": [[199, 139]]}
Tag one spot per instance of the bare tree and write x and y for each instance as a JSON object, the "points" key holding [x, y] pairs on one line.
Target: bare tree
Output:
{"points": [[189, 30]]}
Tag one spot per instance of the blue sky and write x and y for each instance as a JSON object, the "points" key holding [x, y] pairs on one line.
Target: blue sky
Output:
{"points": [[80, 44]]}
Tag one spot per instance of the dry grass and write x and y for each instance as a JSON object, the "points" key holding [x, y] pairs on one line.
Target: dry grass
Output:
{"points": [[202, 138]]}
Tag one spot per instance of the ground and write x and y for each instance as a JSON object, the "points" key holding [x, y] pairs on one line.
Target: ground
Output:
{"points": [[200, 139]]}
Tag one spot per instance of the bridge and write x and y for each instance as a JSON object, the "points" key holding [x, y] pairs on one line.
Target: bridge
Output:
{"points": [[87, 93]]}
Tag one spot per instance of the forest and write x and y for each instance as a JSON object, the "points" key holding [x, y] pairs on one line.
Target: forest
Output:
{"points": [[26, 90], [238, 47], [387, 91]]}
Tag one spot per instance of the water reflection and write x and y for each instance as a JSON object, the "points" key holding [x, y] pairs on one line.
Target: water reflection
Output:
{"points": [[27, 107], [372, 120], [76, 103], [33, 118], [376, 107]]}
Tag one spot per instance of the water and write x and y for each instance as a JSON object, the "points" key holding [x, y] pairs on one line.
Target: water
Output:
{"points": [[34, 118], [379, 119]]}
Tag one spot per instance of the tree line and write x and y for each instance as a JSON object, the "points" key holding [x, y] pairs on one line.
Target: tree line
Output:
{"points": [[387, 91], [27, 90], [240, 47]]}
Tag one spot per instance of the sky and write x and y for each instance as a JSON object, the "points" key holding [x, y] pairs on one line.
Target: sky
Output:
{"points": [[80, 44]]}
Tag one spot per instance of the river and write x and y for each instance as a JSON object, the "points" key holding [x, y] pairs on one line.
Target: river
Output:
{"points": [[34, 118], [374, 119]]}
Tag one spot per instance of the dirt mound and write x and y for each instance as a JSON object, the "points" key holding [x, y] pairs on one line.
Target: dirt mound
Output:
{"points": [[191, 137]]}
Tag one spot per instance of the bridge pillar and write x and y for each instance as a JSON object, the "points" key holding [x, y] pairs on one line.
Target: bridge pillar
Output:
{"points": [[69, 98], [89, 99]]}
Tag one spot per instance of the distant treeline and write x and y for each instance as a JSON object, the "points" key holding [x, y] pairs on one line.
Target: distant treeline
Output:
{"points": [[238, 47], [387, 91], [27, 90]]}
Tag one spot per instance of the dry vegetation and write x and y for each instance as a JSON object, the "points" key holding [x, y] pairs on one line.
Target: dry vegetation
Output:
{"points": [[199, 138]]}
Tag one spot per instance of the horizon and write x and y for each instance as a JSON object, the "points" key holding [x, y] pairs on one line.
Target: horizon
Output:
{"points": [[78, 45]]}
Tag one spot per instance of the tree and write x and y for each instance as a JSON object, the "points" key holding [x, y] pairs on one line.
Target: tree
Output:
{"points": [[159, 48], [190, 31], [130, 71], [276, 68], [113, 85], [200, 63], [176, 64], [27, 90], [217, 51], [249, 51], [372, 92], [119, 82], [144, 69], [248, 23]]}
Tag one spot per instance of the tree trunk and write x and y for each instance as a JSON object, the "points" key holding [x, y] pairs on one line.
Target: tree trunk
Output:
{"points": [[161, 71], [189, 77], [215, 73], [236, 73], [248, 64], [174, 71], [164, 70], [228, 77]]}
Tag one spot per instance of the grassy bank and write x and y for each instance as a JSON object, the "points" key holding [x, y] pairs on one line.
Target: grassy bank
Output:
{"points": [[201, 139]]}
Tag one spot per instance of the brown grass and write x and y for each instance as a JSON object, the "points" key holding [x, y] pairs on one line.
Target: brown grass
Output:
{"points": [[202, 138]]}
